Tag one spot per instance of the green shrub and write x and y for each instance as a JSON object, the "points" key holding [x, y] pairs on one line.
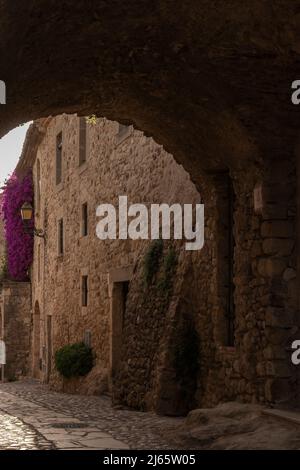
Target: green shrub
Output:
{"points": [[74, 360]]}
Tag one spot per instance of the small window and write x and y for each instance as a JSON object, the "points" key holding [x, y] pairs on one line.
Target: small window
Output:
{"points": [[59, 146], [84, 219], [38, 185], [61, 237], [82, 140], [88, 338], [39, 262], [84, 291]]}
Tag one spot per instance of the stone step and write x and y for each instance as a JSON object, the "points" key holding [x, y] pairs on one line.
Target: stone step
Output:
{"points": [[292, 416]]}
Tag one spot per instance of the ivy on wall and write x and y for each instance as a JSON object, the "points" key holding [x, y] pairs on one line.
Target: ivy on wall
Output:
{"points": [[19, 245], [161, 262]]}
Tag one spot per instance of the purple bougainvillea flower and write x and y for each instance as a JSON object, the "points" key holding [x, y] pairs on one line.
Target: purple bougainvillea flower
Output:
{"points": [[19, 245]]}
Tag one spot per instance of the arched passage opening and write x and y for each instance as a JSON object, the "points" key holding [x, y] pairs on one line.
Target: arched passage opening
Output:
{"points": [[194, 80]]}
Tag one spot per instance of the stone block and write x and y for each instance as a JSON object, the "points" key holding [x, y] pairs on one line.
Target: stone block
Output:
{"points": [[278, 246], [277, 229], [279, 317], [289, 274], [269, 267], [281, 369], [278, 336], [274, 352]]}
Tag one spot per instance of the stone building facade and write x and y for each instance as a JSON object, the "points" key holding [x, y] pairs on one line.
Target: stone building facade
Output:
{"points": [[76, 167], [15, 319], [210, 325]]}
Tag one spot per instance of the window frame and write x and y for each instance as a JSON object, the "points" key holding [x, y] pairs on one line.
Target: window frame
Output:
{"points": [[59, 158], [84, 290], [60, 237], [84, 219]]}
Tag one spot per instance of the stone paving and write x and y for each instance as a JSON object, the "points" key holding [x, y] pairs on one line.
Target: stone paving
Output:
{"points": [[16, 435], [33, 417]]}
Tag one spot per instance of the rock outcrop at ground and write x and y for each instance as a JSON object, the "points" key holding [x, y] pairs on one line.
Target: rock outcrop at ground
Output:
{"points": [[234, 426]]}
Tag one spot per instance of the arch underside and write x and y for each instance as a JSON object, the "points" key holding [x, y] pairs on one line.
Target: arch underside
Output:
{"points": [[209, 85]]}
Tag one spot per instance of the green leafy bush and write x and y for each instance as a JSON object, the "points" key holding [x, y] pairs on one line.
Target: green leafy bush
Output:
{"points": [[74, 360]]}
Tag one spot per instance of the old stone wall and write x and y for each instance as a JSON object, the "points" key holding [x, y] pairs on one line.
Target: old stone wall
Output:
{"points": [[16, 327], [257, 367], [218, 326], [125, 163]]}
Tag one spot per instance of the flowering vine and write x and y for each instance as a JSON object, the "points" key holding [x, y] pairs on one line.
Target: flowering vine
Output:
{"points": [[19, 245]]}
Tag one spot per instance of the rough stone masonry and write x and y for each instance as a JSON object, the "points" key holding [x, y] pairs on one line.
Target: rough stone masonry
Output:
{"points": [[214, 326], [211, 84]]}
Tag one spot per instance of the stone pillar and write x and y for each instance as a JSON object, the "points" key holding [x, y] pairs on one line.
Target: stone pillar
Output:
{"points": [[278, 266]]}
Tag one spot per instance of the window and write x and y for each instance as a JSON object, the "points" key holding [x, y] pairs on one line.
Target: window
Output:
{"points": [[84, 219], [84, 291], [61, 237], [38, 185], [82, 140], [59, 145], [39, 262], [88, 338]]}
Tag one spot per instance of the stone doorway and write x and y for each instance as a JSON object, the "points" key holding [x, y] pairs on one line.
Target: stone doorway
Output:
{"points": [[36, 342], [119, 280], [119, 297], [49, 348]]}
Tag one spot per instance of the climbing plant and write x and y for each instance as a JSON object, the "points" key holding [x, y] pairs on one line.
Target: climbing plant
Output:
{"points": [[163, 264], [152, 260], [19, 245]]}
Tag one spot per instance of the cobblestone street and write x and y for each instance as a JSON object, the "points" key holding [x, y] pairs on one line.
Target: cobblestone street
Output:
{"points": [[32, 417]]}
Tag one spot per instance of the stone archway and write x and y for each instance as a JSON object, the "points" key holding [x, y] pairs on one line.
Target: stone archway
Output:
{"points": [[210, 84], [36, 349], [175, 70]]}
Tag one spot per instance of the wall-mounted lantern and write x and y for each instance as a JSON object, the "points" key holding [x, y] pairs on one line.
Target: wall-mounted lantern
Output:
{"points": [[27, 215]]}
